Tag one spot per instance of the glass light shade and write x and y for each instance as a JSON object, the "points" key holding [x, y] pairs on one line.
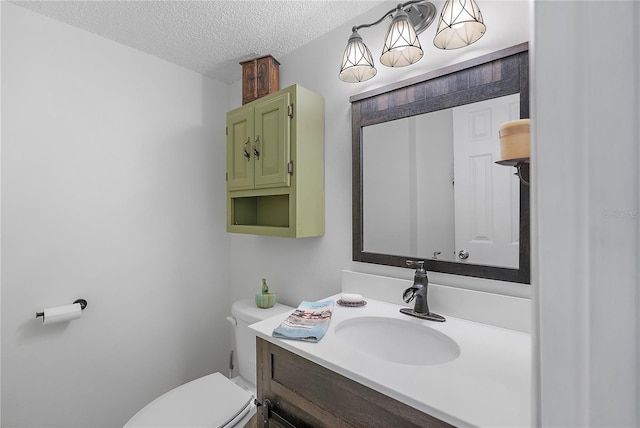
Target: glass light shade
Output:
{"points": [[357, 62], [401, 45], [460, 25]]}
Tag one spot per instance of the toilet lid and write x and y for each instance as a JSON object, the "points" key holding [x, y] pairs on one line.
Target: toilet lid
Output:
{"points": [[210, 401]]}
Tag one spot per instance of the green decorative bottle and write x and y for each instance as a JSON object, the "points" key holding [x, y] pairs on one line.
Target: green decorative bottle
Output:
{"points": [[265, 299]]}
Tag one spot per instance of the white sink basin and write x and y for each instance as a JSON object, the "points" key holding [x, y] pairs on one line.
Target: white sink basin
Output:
{"points": [[397, 341]]}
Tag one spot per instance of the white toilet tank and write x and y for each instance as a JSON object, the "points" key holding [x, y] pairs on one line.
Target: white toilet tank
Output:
{"points": [[245, 313]]}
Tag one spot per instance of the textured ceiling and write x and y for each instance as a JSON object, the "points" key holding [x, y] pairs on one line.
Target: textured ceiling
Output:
{"points": [[210, 37]]}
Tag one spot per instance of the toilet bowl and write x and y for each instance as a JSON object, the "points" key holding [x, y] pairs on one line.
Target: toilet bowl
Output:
{"points": [[214, 400]]}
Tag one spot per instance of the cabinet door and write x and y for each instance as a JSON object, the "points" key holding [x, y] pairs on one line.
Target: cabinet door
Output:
{"points": [[240, 157], [272, 142], [268, 76], [304, 394], [249, 81]]}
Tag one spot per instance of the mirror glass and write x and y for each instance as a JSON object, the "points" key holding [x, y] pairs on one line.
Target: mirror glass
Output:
{"points": [[431, 187], [425, 182]]}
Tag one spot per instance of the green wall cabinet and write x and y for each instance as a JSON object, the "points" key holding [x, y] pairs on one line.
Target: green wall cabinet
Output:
{"points": [[275, 165]]}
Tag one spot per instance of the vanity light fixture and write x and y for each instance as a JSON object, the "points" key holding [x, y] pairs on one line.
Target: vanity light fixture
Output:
{"points": [[460, 25], [401, 46], [357, 62]]}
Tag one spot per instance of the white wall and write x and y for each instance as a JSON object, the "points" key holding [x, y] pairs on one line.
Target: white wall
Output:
{"points": [[309, 268], [113, 191], [388, 225], [586, 212], [0, 223]]}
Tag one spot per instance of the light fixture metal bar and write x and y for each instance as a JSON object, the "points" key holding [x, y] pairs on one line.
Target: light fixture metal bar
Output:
{"points": [[402, 6]]}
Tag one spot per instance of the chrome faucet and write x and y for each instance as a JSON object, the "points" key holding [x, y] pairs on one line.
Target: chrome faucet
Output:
{"points": [[418, 291]]}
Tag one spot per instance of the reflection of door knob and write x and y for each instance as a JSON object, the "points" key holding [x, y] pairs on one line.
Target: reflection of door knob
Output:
{"points": [[463, 254]]}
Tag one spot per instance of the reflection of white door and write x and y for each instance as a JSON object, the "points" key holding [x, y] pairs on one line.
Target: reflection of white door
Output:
{"points": [[487, 195]]}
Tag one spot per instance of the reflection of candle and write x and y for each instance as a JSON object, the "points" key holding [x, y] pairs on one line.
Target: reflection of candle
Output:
{"points": [[514, 140]]}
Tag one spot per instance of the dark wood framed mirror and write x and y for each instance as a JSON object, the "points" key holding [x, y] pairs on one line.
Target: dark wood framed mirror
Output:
{"points": [[486, 79]]}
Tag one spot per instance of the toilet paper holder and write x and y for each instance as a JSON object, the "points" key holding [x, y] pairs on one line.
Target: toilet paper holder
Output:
{"points": [[82, 302]]}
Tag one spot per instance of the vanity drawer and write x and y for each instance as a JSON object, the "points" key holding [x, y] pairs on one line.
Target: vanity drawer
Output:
{"points": [[305, 394]]}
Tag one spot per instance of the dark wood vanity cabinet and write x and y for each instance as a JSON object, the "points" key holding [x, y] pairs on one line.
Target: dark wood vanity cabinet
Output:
{"points": [[295, 392]]}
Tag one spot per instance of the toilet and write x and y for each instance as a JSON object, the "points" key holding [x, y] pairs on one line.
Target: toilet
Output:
{"points": [[214, 400]]}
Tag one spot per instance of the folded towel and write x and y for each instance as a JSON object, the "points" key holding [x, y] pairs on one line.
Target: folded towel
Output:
{"points": [[309, 322]]}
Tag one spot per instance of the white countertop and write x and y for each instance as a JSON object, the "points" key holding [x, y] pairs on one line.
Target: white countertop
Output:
{"points": [[488, 385]]}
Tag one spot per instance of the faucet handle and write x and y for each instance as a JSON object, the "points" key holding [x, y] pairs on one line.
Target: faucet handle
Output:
{"points": [[409, 294], [419, 265], [415, 263]]}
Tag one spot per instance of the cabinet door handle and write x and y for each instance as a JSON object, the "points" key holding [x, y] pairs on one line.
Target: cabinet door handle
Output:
{"points": [[255, 147], [246, 151]]}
